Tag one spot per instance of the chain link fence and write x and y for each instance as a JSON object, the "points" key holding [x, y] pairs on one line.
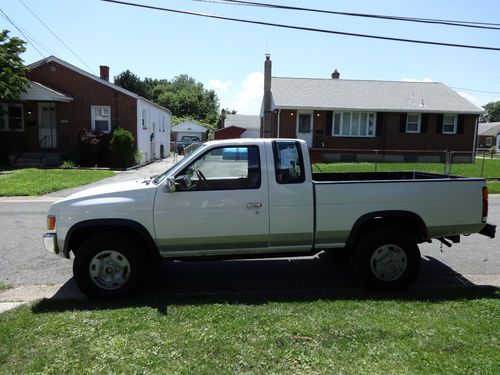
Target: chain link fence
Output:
{"points": [[481, 163]]}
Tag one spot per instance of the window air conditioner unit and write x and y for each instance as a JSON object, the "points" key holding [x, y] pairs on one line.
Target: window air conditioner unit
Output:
{"points": [[104, 111]]}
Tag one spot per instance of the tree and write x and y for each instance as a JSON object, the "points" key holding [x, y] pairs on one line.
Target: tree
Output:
{"points": [[223, 115], [12, 70], [492, 112], [131, 82], [184, 96]]}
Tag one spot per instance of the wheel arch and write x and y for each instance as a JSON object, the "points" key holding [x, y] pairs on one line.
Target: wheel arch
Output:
{"points": [[81, 231], [394, 219]]}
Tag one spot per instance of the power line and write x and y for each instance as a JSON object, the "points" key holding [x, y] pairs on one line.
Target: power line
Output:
{"points": [[304, 28], [57, 37], [38, 42], [4, 15], [470, 24], [478, 91]]}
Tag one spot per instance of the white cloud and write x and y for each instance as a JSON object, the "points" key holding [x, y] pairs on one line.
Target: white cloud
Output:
{"points": [[249, 99], [417, 80], [215, 84]]}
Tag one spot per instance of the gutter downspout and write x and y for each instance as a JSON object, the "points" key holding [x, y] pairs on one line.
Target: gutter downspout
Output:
{"points": [[475, 139], [279, 115]]}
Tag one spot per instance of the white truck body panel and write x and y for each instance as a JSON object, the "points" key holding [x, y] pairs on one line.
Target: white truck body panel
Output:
{"points": [[446, 207]]}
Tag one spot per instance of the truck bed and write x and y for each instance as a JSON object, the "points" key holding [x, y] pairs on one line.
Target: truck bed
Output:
{"points": [[378, 176]]}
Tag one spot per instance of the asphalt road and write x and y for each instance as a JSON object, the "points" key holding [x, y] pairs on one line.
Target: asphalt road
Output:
{"points": [[23, 259]]}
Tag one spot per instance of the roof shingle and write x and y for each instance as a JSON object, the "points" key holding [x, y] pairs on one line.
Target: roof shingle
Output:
{"points": [[387, 96]]}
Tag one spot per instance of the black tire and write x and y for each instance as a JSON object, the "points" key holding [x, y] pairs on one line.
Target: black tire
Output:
{"points": [[108, 267], [386, 259]]}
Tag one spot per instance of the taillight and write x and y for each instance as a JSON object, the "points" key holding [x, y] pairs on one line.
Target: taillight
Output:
{"points": [[485, 204], [51, 222]]}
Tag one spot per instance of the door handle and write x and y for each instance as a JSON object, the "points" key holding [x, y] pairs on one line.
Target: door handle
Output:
{"points": [[254, 205]]}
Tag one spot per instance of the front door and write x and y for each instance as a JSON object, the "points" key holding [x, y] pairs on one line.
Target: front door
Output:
{"points": [[220, 205], [304, 128], [47, 133]]}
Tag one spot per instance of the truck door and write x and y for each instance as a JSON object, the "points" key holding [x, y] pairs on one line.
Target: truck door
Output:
{"points": [[220, 206], [291, 199]]}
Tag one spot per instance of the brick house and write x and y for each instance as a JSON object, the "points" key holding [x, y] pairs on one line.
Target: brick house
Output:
{"points": [[62, 99], [402, 120], [489, 135]]}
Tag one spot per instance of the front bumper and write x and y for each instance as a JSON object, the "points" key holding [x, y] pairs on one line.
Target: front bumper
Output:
{"points": [[50, 242]]}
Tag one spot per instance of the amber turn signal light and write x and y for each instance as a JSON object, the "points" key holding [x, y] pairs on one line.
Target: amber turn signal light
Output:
{"points": [[51, 222]]}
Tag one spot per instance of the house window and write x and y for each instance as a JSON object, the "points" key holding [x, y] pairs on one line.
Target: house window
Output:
{"points": [[489, 141], [11, 117], [449, 124], [101, 118], [354, 124], [144, 122], [413, 123]]}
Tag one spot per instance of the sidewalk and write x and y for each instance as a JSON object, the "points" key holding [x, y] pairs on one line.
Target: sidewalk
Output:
{"points": [[155, 168]]}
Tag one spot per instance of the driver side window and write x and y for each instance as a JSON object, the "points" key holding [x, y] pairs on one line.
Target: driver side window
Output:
{"points": [[222, 168]]}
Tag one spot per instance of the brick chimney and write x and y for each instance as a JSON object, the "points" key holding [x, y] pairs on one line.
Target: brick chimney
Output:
{"points": [[104, 71], [336, 74], [266, 124]]}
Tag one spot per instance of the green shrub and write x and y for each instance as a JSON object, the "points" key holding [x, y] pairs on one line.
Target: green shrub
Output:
{"points": [[121, 148], [67, 164], [92, 147], [138, 157]]}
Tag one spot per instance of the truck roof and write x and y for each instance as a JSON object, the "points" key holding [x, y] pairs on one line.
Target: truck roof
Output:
{"points": [[246, 141]]}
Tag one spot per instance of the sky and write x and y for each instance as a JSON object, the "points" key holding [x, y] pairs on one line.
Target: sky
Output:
{"points": [[228, 57]]}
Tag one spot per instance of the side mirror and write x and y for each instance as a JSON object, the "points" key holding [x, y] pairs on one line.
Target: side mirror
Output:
{"points": [[170, 185]]}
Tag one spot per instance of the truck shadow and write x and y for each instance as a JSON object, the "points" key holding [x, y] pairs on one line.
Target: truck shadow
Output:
{"points": [[323, 277]]}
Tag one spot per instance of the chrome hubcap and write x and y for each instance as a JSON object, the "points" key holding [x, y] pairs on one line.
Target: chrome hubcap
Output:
{"points": [[388, 262], [109, 269]]}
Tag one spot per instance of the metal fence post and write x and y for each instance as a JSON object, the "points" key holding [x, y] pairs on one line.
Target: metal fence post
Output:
{"points": [[445, 171], [448, 161], [482, 165]]}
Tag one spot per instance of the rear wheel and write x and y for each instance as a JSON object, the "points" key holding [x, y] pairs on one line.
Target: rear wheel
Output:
{"points": [[108, 267], [386, 260]]}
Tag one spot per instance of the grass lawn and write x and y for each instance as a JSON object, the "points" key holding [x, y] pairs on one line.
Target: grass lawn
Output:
{"points": [[446, 332], [33, 181], [491, 169], [3, 286]]}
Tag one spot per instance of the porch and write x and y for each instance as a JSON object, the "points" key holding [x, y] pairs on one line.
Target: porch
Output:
{"points": [[30, 127]]}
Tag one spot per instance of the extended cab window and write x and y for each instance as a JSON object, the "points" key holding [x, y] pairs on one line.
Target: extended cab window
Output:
{"points": [[222, 168], [288, 162]]}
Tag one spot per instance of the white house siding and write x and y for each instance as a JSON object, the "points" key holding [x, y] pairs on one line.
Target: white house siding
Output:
{"points": [[152, 119], [251, 133]]}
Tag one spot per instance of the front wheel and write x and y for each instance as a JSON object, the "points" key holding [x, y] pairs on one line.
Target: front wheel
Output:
{"points": [[107, 267], [386, 260]]}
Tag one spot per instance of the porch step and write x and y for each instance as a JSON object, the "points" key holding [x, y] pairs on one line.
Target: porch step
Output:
{"points": [[36, 159]]}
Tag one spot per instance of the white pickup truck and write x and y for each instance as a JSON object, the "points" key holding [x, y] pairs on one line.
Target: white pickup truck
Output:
{"points": [[259, 198]]}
